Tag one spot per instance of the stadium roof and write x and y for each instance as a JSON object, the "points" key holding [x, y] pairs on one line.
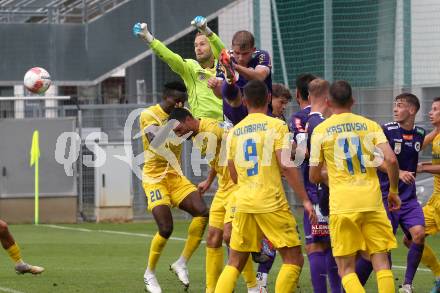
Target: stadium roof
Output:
{"points": [[54, 11]]}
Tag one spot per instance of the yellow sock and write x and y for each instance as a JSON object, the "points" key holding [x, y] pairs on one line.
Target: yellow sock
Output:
{"points": [[430, 260], [249, 274], [385, 281], [14, 253], [156, 247], [195, 234], [287, 278], [227, 280], [352, 284], [214, 266]]}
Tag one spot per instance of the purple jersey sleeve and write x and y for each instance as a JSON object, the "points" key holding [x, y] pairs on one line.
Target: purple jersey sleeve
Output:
{"points": [[234, 114], [260, 57], [406, 145], [297, 121]]}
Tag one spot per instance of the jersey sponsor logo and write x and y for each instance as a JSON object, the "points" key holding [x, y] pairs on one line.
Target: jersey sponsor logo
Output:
{"points": [[417, 146], [397, 148], [420, 131], [407, 136]]}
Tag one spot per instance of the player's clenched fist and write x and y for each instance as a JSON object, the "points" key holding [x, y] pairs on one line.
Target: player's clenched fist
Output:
{"points": [[201, 24], [393, 201], [141, 30], [311, 211], [214, 82]]}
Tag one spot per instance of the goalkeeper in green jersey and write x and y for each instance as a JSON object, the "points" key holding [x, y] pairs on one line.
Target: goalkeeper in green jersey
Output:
{"points": [[199, 75]]}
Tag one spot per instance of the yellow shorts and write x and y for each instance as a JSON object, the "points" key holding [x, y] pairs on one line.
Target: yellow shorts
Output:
{"points": [[278, 226], [367, 231], [219, 208], [431, 211], [170, 191], [230, 208]]}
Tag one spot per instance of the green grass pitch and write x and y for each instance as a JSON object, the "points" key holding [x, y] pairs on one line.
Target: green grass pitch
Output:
{"points": [[111, 258]]}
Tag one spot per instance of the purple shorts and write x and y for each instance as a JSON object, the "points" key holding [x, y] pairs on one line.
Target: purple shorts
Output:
{"points": [[319, 232], [409, 215]]}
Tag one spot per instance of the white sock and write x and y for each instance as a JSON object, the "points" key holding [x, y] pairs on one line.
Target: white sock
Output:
{"points": [[148, 272], [181, 261]]}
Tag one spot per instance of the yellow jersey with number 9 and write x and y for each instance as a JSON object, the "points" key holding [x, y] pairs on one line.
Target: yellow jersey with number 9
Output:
{"points": [[251, 145], [346, 143]]}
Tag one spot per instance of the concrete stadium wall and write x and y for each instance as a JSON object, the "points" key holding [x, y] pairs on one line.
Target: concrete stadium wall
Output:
{"points": [[58, 192]]}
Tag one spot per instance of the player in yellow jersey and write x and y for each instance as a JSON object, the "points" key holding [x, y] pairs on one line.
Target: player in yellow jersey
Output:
{"points": [[210, 137], [431, 210], [258, 153], [346, 143], [13, 250], [166, 187]]}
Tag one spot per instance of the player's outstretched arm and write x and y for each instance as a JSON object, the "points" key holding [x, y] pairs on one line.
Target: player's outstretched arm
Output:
{"points": [[174, 61], [216, 43], [295, 181], [428, 167], [260, 72], [391, 165]]}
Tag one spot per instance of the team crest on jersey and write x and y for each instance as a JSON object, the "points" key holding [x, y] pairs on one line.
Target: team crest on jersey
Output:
{"points": [[397, 148], [261, 58], [202, 76], [417, 146]]}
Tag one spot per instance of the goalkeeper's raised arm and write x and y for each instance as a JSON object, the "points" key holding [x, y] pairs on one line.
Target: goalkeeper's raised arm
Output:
{"points": [[217, 45], [195, 73]]}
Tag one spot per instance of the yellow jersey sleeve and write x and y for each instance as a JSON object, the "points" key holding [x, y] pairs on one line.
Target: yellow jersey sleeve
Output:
{"points": [[281, 136], [316, 152], [379, 135], [436, 161]]}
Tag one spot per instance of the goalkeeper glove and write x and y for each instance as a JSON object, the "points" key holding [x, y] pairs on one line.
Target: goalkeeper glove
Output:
{"points": [[141, 30], [201, 24]]}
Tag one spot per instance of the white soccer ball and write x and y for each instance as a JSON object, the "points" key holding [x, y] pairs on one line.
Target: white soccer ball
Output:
{"points": [[37, 80]]}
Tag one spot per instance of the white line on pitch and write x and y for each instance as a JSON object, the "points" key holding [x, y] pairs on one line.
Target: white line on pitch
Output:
{"points": [[9, 290], [111, 232], [171, 238]]}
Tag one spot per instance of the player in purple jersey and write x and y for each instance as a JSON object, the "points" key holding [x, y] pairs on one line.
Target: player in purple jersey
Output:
{"points": [[280, 99], [240, 65], [298, 119], [406, 140], [322, 262]]}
